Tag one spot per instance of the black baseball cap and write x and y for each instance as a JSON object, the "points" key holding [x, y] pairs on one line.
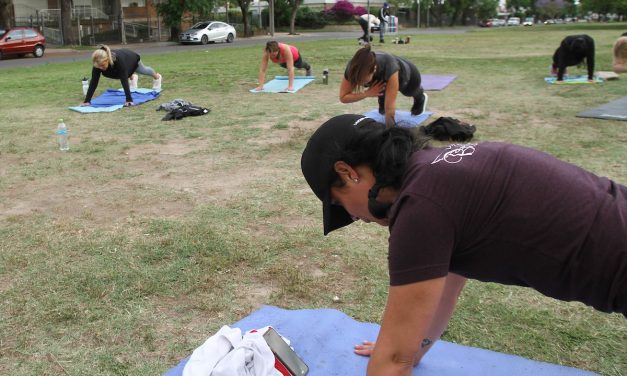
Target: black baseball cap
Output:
{"points": [[322, 151]]}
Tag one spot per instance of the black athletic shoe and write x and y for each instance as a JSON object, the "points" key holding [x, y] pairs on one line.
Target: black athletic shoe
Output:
{"points": [[420, 104], [381, 41]]}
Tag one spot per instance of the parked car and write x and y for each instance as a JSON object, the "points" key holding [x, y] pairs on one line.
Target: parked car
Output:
{"points": [[528, 21], [485, 23], [208, 31], [498, 22], [513, 21], [21, 41]]}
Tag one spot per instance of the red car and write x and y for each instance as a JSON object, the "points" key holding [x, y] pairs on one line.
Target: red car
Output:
{"points": [[21, 41]]}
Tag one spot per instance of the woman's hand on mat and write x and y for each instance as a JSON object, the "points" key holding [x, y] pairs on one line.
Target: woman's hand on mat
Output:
{"points": [[375, 89], [85, 104], [365, 348], [128, 104]]}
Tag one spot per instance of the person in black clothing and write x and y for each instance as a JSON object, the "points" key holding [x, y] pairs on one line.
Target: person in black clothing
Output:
{"points": [[463, 211], [381, 75], [572, 51], [383, 13], [121, 64]]}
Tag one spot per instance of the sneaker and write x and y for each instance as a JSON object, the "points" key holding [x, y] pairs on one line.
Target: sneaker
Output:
{"points": [[156, 84], [133, 81], [381, 41], [420, 104]]}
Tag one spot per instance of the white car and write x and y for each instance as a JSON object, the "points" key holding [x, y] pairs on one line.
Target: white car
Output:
{"points": [[208, 31], [513, 21], [498, 22], [528, 21]]}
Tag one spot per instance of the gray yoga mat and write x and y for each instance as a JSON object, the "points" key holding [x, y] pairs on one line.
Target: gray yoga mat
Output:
{"points": [[614, 110]]}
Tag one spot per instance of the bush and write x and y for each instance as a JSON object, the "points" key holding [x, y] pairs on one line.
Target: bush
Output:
{"points": [[307, 18], [342, 11]]}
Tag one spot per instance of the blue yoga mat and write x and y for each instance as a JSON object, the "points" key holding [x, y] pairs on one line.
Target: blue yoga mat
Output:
{"points": [[324, 339], [436, 82], [279, 84], [574, 80], [113, 99], [403, 118]]}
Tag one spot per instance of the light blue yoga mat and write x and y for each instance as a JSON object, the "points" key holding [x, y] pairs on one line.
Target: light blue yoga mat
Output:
{"points": [[403, 118], [279, 84], [113, 99], [574, 80], [324, 339]]}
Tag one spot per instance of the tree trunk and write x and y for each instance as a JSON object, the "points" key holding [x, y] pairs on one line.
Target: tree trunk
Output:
{"points": [[243, 4], [293, 20], [69, 36], [5, 13]]}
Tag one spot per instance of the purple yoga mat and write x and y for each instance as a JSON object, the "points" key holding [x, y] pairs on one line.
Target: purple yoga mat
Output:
{"points": [[436, 81]]}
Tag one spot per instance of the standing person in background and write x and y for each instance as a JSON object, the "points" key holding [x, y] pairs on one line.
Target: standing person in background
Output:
{"points": [[119, 64], [384, 12], [366, 21], [285, 55], [619, 63]]}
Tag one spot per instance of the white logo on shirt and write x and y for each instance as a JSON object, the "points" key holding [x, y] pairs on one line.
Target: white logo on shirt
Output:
{"points": [[454, 153]]}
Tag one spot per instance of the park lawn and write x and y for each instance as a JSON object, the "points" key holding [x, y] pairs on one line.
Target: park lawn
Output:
{"points": [[124, 254]]}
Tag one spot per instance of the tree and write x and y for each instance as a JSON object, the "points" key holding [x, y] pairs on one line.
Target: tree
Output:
{"points": [[244, 5], [5, 13], [294, 4], [66, 22], [172, 11], [550, 8]]}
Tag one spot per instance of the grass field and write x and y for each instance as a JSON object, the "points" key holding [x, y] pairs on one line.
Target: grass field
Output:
{"points": [[122, 255]]}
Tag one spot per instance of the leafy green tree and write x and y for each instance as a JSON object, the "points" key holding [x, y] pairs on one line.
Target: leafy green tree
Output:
{"points": [[550, 8], [486, 8], [172, 11], [604, 6]]}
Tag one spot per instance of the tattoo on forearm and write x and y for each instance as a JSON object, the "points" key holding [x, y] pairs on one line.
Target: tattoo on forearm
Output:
{"points": [[426, 342]]}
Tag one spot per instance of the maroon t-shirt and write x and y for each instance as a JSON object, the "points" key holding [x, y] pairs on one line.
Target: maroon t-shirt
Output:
{"points": [[513, 215]]}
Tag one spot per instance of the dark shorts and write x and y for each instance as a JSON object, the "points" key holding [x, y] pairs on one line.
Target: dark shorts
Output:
{"points": [[299, 63], [413, 87]]}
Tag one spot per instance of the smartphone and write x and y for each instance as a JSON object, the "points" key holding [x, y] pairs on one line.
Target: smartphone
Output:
{"points": [[284, 352]]}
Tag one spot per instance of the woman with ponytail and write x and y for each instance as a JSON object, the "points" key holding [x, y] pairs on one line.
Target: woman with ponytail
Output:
{"points": [[492, 212], [381, 75], [119, 64]]}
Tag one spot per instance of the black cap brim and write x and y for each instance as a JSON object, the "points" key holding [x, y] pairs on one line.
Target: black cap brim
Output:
{"points": [[334, 216]]}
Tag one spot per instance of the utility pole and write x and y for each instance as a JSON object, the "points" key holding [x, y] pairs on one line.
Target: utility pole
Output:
{"points": [[417, 14]]}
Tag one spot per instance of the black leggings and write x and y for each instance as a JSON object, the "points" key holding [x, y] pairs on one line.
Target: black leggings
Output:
{"points": [[412, 89], [299, 63]]}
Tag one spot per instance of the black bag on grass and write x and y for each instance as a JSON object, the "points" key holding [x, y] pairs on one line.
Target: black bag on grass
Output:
{"points": [[450, 129], [184, 111]]}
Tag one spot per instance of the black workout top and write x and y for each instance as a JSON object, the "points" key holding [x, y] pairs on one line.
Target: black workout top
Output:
{"points": [[508, 214], [125, 63], [387, 65]]}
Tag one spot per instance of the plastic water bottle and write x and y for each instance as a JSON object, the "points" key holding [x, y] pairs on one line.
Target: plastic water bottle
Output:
{"points": [[85, 85], [325, 76], [62, 136]]}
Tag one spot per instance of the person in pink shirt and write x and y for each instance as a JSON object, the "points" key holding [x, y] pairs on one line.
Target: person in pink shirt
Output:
{"points": [[285, 55]]}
